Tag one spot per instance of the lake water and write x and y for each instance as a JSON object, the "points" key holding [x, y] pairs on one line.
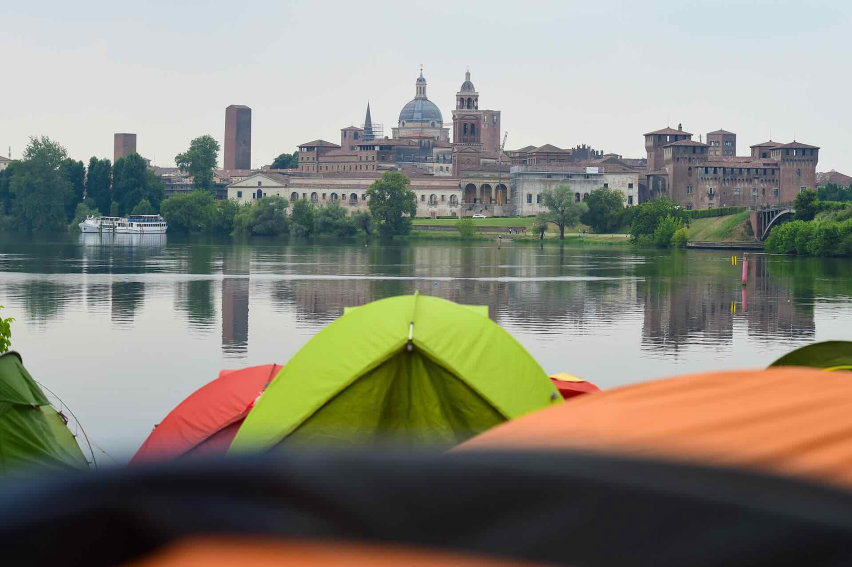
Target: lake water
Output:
{"points": [[123, 328]]}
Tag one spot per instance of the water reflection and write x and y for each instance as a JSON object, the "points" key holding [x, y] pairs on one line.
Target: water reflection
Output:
{"points": [[673, 300]]}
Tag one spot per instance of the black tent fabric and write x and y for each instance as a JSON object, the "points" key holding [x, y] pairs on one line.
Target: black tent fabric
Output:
{"points": [[565, 508]]}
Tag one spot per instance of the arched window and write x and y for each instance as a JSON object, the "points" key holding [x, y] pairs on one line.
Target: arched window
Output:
{"points": [[454, 200], [577, 197], [314, 198], [294, 197], [465, 129], [469, 103], [585, 196], [334, 196], [433, 199], [473, 129], [353, 197]]}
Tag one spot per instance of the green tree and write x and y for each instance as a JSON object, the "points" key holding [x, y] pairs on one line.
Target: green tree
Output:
{"points": [[302, 218], [332, 219], [680, 238], [286, 161], [199, 161], [114, 209], [466, 227], [362, 220], [392, 204], [606, 210], [5, 191], [564, 210], [143, 207], [75, 173], [132, 181], [646, 217], [195, 212], [540, 225], [38, 188], [226, 215], [269, 216], [834, 192], [806, 205], [5, 332], [99, 182]]}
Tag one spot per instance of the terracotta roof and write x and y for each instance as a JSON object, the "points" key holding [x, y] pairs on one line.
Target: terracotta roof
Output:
{"points": [[721, 132], [834, 177], [687, 143], [669, 131], [353, 128], [3, 158], [549, 148], [796, 145], [769, 144], [318, 144], [525, 149]]}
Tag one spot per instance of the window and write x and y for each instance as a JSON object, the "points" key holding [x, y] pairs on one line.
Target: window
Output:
{"points": [[606, 185], [239, 194], [422, 198], [754, 192], [706, 170], [323, 196], [798, 173], [802, 189], [689, 189], [630, 199], [776, 191], [538, 198], [736, 191], [630, 186], [258, 183], [529, 197]]}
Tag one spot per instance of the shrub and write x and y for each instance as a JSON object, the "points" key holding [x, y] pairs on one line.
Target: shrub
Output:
{"points": [[647, 217], [302, 218], [332, 219], [680, 238], [665, 231], [83, 210], [466, 227], [143, 207], [719, 212]]}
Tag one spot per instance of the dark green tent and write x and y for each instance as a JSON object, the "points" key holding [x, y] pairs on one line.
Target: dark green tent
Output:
{"points": [[32, 433]]}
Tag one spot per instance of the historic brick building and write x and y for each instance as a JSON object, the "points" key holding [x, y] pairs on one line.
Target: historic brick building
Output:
{"points": [[237, 137], [701, 176], [123, 145]]}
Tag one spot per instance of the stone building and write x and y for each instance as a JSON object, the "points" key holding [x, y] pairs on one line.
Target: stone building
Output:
{"points": [[237, 137], [421, 117], [701, 176], [4, 162], [123, 145]]}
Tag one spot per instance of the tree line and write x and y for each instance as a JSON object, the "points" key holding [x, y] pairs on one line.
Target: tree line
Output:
{"points": [[391, 204], [820, 227]]}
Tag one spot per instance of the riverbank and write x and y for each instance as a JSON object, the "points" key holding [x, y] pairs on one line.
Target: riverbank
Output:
{"points": [[730, 228]]}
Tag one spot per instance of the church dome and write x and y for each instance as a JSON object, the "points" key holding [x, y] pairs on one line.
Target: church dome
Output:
{"points": [[420, 110], [467, 85]]}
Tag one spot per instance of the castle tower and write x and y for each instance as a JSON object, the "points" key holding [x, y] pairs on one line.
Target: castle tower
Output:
{"points": [[237, 137], [655, 142], [124, 144], [722, 143]]}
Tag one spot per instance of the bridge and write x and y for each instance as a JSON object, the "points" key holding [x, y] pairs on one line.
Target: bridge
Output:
{"points": [[763, 220]]}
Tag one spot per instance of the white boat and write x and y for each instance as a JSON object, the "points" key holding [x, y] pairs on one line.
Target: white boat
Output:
{"points": [[138, 224], [143, 224], [101, 224]]}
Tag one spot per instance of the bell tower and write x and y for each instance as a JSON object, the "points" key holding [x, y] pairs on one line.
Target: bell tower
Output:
{"points": [[467, 118]]}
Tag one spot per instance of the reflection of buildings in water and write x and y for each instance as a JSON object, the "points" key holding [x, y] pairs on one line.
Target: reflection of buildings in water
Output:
{"points": [[127, 298], [703, 308], [236, 267], [235, 315]]}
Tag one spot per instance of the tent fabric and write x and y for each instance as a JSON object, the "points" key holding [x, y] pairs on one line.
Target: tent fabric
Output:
{"points": [[555, 507], [570, 386], [227, 552], [357, 377], [32, 433], [207, 421], [790, 420]]}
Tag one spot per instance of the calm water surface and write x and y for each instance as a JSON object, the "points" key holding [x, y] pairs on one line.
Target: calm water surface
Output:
{"points": [[123, 328]]}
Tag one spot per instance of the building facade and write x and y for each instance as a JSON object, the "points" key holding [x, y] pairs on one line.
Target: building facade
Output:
{"points": [[237, 137], [123, 145], [707, 175], [530, 181]]}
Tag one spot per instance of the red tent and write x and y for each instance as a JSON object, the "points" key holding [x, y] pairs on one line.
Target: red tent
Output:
{"points": [[206, 422], [570, 385]]}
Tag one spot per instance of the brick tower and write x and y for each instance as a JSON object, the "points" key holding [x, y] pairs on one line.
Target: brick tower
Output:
{"points": [[237, 137]]}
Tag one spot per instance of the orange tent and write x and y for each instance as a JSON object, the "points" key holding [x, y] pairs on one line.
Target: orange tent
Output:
{"points": [[789, 420], [206, 422]]}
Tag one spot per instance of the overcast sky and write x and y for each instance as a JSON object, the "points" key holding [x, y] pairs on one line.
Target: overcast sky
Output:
{"points": [[565, 73]]}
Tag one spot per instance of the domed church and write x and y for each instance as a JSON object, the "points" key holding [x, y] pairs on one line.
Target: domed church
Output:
{"points": [[421, 118]]}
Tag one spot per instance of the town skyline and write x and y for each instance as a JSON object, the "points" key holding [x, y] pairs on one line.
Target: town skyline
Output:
{"points": [[567, 94]]}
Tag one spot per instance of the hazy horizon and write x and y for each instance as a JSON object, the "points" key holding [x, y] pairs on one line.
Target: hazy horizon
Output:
{"points": [[563, 73]]}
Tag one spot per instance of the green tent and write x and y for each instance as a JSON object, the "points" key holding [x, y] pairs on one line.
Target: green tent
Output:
{"points": [[408, 369], [32, 433]]}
